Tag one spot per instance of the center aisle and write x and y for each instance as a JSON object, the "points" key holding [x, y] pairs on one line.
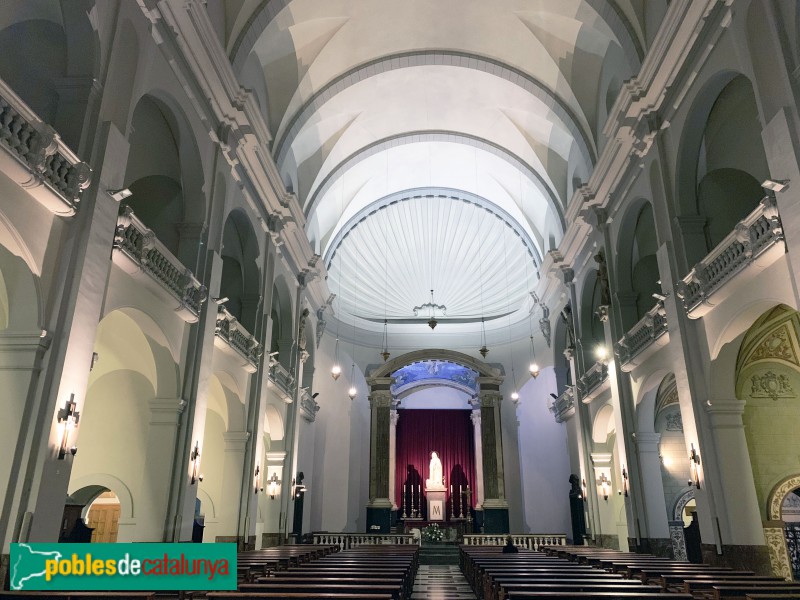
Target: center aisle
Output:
{"points": [[441, 582]]}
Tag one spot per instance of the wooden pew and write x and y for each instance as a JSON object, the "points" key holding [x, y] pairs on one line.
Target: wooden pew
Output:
{"points": [[78, 595], [595, 596], [294, 596], [327, 586], [721, 592]]}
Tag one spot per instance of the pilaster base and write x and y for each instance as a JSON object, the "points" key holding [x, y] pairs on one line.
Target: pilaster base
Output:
{"points": [[752, 558], [495, 520], [379, 517], [607, 540], [5, 560], [242, 544], [661, 547], [269, 540]]}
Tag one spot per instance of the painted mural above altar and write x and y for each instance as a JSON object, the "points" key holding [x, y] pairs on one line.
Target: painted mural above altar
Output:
{"points": [[435, 372]]}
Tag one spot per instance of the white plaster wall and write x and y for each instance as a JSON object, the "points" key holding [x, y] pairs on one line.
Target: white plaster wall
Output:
{"points": [[339, 449], [544, 460]]}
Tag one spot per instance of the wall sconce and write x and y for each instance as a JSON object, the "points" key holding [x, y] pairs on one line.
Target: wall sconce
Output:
{"points": [[601, 354], [624, 482], [257, 480], [605, 486], [272, 485], [694, 463], [69, 417], [194, 458]]}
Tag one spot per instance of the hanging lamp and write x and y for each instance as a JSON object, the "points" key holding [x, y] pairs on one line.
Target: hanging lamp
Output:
{"points": [[534, 366], [336, 370], [385, 351]]}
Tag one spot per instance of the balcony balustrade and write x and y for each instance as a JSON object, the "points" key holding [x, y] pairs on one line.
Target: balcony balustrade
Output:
{"points": [[756, 240], [593, 381], [563, 407], [230, 335], [37, 159], [282, 380], [137, 246], [639, 342]]}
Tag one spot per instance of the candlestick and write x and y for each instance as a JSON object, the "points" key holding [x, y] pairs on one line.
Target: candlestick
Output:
{"points": [[405, 497], [460, 504]]}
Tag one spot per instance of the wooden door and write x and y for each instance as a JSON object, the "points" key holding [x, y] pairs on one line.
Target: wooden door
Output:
{"points": [[104, 519]]}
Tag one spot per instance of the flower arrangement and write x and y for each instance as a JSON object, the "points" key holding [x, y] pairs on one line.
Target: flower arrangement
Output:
{"points": [[432, 533]]}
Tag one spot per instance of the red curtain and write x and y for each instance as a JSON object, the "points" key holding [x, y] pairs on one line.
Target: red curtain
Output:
{"points": [[447, 432]]}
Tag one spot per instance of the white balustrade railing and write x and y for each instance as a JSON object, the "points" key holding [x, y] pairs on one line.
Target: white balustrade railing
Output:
{"points": [[351, 540], [139, 244], [592, 380], [754, 237], [563, 407], [281, 378], [237, 337], [642, 335], [529, 541], [44, 157]]}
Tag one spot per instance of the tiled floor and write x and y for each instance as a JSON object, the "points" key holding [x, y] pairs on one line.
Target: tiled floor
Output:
{"points": [[441, 582]]}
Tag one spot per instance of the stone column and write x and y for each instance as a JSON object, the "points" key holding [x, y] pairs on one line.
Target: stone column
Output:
{"points": [[228, 512], [647, 445], [379, 508], [37, 487], [746, 544], [271, 506], [606, 534], [495, 506], [476, 437], [165, 415], [393, 418]]}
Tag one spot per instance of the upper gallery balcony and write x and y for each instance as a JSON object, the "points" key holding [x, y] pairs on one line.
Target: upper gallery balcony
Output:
{"points": [[563, 407], [594, 381], [140, 253], [232, 337], [756, 240], [34, 156], [639, 343]]}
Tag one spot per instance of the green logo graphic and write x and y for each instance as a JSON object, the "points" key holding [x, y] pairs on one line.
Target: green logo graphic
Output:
{"points": [[123, 567]]}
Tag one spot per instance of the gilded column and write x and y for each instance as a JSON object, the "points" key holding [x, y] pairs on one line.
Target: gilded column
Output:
{"points": [[495, 506], [379, 508], [476, 437]]}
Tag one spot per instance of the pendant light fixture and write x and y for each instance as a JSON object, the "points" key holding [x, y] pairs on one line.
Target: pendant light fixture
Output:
{"points": [[385, 352], [352, 391], [336, 369], [483, 349], [534, 366]]}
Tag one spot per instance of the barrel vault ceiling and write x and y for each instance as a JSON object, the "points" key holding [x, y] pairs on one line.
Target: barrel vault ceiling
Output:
{"points": [[434, 144]]}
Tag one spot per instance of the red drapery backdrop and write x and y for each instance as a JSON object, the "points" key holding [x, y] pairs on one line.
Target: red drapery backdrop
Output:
{"points": [[447, 432]]}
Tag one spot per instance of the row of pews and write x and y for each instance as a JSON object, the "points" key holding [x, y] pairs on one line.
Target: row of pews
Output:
{"points": [[381, 572], [590, 573], [297, 572]]}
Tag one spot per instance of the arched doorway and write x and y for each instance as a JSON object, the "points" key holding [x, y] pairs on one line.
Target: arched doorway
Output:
{"points": [[102, 516], [430, 369]]}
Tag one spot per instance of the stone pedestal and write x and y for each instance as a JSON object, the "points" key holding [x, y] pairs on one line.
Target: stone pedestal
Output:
{"points": [[437, 506]]}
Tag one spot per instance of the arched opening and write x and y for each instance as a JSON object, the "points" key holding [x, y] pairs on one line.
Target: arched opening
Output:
{"points": [[592, 336], [675, 472], [768, 380], [282, 341], [164, 173], [790, 515], [726, 161], [218, 472], [117, 437], [637, 264], [240, 274], [607, 483]]}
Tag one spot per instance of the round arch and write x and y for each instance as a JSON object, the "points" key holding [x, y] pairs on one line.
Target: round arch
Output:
{"points": [[85, 489], [389, 367], [778, 495]]}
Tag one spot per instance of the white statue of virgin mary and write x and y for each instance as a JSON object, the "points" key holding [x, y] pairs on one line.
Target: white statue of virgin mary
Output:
{"points": [[435, 479]]}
